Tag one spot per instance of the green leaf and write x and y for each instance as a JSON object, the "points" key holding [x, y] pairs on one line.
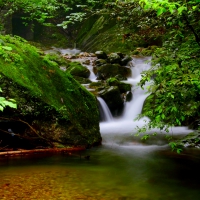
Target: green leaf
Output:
{"points": [[179, 150], [7, 48], [159, 11], [180, 9]]}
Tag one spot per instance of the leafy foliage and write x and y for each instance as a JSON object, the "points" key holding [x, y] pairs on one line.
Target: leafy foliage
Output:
{"points": [[175, 89], [4, 102]]}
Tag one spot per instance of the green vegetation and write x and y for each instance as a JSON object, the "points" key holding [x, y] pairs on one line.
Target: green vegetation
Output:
{"points": [[4, 102], [21, 64], [168, 29]]}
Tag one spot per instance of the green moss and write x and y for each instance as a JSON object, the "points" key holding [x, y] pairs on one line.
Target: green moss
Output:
{"points": [[113, 81], [82, 80], [55, 58], [123, 87], [76, 69], [44, 80]]}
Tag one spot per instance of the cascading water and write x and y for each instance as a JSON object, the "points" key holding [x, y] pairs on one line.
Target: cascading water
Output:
{"points": [[105, 113], [120, 131]]}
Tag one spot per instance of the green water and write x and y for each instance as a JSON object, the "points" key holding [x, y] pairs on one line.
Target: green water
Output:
{"points": [[110, 174]]}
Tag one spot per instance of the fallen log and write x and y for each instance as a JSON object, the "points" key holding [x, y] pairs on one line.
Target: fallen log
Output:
{"points": [[40, 151]]}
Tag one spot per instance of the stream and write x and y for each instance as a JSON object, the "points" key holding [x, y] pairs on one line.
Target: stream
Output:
{"points": [[123, 168]]}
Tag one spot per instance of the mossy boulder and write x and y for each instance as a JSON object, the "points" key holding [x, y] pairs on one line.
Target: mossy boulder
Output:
{"points": [[120, 77], [82, 80], [113, 81], [129, 96], [76, 69], [112, 97], [100, 62], [123, 87], [110, 70], [49, 100], [101, 55], [125, 60], [114, 58]]}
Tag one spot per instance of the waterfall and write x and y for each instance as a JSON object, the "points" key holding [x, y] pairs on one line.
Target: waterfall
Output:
{"points": [[119, 132], [134, 107], [105, 113]]}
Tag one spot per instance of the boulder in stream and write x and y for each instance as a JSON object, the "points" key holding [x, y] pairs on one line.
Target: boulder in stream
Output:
{"points": [[112, 97], [101, 55], [76, 69], [51, 106], [114, 58]]}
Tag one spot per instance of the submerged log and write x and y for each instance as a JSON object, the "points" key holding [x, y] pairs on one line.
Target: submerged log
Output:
{"points": [[40, 151]]}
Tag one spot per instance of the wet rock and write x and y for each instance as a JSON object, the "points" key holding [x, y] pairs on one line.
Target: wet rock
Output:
{"points": [[111, 70], [76, 69], [125, 71], [114, 58], [125, 60], [82, 80], [112, 97], [129, 96], [120, 77], [100, 62], [120, 54], [70, 56], [92, 55], [84, 54], [124, 87], [86, 62], [108, 70], [101, 55], [113, 82]]}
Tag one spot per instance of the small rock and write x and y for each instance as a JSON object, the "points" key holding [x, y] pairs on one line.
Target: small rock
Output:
{"points": [[101, 55], [86, 62], [114, 58]]}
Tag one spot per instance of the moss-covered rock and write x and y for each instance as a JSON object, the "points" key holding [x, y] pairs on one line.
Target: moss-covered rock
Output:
{"points": [[47, 95], [113, 81], [114, 58], [124, 61], [110, 70], [120, 77], [123, 87], [76, 69], [82, 80], [100, 62], [101, 55], [129, 96], [112, 97]]}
